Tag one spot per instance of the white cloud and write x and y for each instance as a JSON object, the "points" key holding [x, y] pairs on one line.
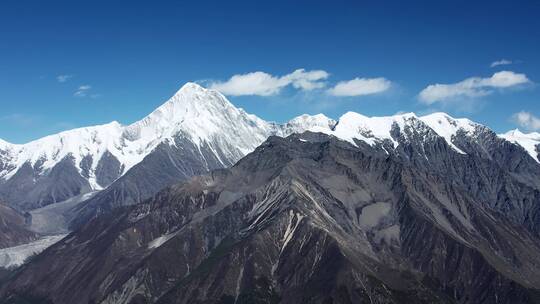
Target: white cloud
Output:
{"points": [[307, 81], [471, 87], [256, 83], [63, 78], [500, 62], [264, 84], [360, 86], [82, 90], [527, 120]]}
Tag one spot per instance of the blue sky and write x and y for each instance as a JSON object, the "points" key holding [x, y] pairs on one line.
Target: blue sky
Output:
{"points": [[66, 64]]}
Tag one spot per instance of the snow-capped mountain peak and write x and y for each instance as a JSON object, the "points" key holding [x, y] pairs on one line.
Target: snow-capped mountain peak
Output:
{"points": [[518, 134], [203, 116], [371, 130], [447, 127], [353, 126], [206, 122], [529, 141], [196, 112], [304, 122]]}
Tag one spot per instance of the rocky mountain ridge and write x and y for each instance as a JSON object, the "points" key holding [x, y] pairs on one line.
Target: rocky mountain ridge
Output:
{"points": [[314, 219], [196, 131]]}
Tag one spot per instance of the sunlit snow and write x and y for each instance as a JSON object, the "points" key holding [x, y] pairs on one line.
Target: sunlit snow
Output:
{"points": [[529, 142]]}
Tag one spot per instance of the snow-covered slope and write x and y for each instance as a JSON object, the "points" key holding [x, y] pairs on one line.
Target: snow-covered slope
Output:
{"points": [[373, 130], [368, 129], [447, 127], [204, 119], [4, 145], [204, 116], [43, 154], [97, 156], [314, 123], [529, 141]]}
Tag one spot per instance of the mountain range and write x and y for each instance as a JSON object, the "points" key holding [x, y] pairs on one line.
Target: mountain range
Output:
{"points": [[201, 202]]}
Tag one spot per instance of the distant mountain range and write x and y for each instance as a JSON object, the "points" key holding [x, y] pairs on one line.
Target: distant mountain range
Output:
{"points": [[397, 209], [197, 130]]}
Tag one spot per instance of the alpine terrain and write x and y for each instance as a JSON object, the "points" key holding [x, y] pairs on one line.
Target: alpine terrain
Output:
{"points": [[196, 131], [200, 202]]}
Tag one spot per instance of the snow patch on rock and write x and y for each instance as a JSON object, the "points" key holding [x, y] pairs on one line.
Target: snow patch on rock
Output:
{"points": [[157, 242]]}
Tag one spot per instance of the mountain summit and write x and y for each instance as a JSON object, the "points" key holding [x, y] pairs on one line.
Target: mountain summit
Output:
{"points": [[201, 202], [198, 113], [196, 123], [57, 167]]}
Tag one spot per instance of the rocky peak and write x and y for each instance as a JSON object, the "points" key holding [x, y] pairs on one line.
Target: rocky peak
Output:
{"points": [[529, 141]]}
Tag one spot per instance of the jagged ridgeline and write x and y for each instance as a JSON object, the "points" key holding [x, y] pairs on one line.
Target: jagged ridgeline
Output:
{"points": [[196, 131], [399, 209]]}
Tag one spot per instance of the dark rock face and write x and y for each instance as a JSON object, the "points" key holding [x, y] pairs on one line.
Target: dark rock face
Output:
{"points": [[501, 175], [108, 169], [310, 219], [165, 166], [13, 228], [28, 190]]}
